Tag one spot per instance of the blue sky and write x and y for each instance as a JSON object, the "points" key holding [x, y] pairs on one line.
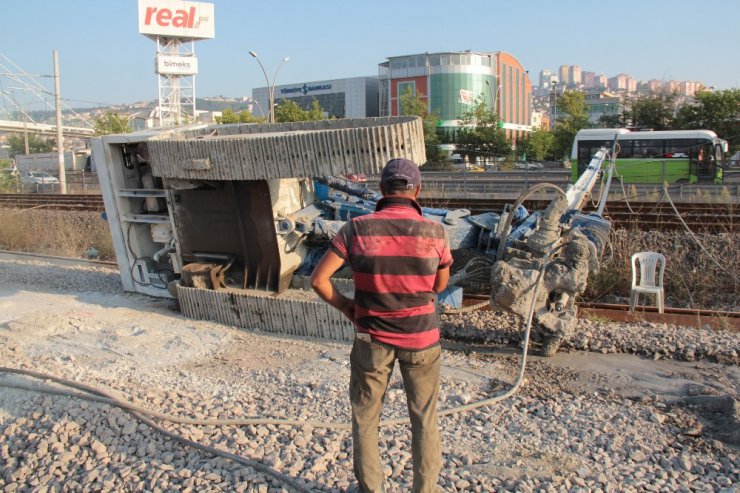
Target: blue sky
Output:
{"points": [[104, 59]]}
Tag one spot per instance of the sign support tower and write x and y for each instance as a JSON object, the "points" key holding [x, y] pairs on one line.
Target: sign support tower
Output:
{"points": [[175, 25], [176, 91]]}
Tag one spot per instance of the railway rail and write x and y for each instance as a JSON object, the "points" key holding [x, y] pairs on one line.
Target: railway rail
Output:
{"points": [[680, 316], [705, 217], [699, 318], [53, 201]]}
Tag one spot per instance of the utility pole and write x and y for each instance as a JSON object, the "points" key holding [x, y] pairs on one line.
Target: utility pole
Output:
{"points": [[60, 135]]}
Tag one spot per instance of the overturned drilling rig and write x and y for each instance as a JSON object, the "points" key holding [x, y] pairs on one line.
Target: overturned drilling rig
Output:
{"points": [[231, 220]]}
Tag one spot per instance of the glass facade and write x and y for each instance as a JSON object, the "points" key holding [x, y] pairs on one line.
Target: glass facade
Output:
{"points": [[332, 104], [445, 92], [453, 81], [356, 97]]}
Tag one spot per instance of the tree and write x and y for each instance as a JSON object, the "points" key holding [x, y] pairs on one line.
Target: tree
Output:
{"points": [[616, 120], [537, 145], [111, 122], [718, 111], [316, 112], [414, 104], [655, 111], [572, 116], [289, 111], [480, 135], [8, 180], [228, 116], [36, 145]]}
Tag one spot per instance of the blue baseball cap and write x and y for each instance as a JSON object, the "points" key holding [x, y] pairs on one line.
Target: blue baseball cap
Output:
{"points": [[400, 170]]}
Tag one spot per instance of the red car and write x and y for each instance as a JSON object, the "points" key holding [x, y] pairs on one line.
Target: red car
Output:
{"points": [[356, 177]]}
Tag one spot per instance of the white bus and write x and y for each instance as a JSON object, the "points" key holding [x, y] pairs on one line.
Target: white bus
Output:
{"points": [[673, 156]]}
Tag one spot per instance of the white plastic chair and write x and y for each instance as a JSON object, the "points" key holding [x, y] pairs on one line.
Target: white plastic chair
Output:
{"points": [[648, 267]]}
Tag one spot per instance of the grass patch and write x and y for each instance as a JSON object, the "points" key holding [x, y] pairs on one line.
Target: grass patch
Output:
{"points": [[62, 233], [597, 318], [692, 280]]}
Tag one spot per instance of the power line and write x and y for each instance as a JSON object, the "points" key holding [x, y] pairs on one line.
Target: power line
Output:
{"points": [[34, 87]]}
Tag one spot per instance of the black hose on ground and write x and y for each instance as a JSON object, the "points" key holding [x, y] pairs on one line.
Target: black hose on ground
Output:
{"points": [[128, 407], [105, 397]]}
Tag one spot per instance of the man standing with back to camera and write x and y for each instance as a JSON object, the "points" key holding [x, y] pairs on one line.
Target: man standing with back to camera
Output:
{"points": [[398, 260]]}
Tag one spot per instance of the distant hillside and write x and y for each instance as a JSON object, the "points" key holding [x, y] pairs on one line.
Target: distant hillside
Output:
{"points": [[200, 103], [215, 105]]}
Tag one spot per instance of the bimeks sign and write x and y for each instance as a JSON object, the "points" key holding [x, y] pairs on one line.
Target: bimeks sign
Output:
{"points": [[176, 65], [176, 19]]}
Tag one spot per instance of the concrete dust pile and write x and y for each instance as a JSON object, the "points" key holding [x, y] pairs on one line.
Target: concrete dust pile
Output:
{"points": [[586, 421]]}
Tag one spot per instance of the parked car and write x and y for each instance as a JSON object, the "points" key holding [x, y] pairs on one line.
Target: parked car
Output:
{"points": [[38, 178], [26, 178], [528, 165]]}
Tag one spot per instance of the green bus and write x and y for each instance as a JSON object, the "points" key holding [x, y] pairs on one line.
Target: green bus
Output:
{"points": [[650, 156]]}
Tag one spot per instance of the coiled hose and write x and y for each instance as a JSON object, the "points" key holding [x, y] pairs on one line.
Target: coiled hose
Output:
{"points": [[510, 217]]}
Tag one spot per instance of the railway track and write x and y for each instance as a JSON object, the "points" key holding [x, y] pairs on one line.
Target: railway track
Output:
{"points": [[11, 255], [680, 316], [705, 217], [698, 318], [53, 201]]}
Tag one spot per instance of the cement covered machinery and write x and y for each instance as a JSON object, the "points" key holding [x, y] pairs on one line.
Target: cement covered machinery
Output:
{"points": [[231, 220]]}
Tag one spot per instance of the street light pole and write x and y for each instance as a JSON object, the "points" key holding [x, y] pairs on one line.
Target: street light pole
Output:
{"points": [[494, 103], [555, 105], [270, 86], [252, 100], [490, 93]]}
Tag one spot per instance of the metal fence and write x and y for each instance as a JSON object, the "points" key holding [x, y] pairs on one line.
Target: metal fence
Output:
{"points": [[78, 182], [509, 184]]}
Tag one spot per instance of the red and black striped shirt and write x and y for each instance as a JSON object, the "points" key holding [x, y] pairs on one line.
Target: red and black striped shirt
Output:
{"points": [[395, 254]]}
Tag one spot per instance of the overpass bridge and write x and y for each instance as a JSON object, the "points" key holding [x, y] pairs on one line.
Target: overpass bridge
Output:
{"points": [[44, 129]]}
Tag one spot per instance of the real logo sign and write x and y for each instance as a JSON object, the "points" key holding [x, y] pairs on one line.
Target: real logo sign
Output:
{"points": [[176, 19], [166, 18]]}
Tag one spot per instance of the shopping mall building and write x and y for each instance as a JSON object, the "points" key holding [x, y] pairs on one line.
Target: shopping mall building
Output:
{"points": [[450, 82], [356, 97]]}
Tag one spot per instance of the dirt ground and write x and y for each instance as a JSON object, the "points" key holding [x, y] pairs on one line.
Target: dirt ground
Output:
{"points": [[675, 411]]}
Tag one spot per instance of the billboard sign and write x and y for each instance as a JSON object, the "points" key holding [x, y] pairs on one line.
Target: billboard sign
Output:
{"points": [[466, 97], [305, 89], [177, 65], [176, 19]]}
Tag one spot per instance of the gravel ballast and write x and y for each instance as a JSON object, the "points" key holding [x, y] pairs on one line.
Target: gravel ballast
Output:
{"points": [[622, 407]]}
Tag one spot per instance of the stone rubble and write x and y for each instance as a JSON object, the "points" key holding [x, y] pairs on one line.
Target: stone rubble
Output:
{"points": [[657, 340], [558, 433]]}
